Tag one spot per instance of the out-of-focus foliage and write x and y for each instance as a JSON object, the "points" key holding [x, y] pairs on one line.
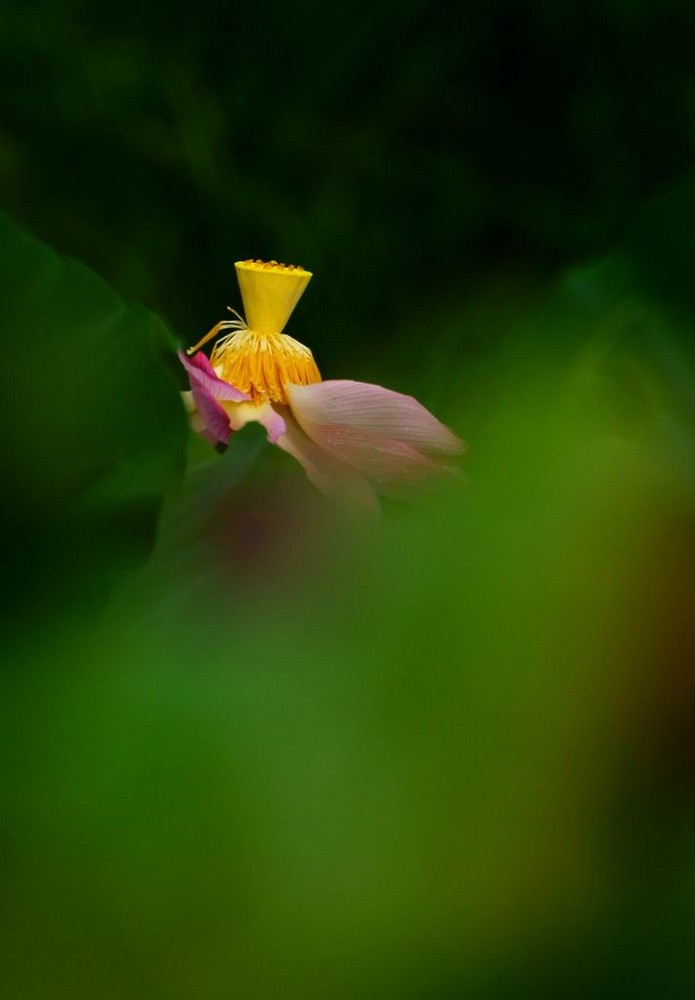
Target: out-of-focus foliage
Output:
{"points": [[94, 430], [253, 748]]}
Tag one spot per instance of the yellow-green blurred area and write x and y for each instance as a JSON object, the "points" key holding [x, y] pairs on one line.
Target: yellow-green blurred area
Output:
{"points": [[254, 747]]}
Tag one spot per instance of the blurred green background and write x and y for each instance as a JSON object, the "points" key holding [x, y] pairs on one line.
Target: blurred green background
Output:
{"points": [[252, 748]]}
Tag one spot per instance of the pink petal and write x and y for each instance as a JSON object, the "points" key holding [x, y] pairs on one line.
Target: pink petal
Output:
{"points": [[371, 409], [210, 420], [384, 460], [214, 422], [274, 423], [202, 374], [385, 436], [332, 477], [269, 415]]}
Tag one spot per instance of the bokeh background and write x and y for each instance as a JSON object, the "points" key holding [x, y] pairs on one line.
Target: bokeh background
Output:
{"points": [[252, 747]]}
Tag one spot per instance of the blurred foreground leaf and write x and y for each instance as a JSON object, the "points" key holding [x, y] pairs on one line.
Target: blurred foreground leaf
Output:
{"points": [[93, 425]]}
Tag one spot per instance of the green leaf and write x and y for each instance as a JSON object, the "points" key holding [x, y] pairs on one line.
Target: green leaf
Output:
{"points": [[93, 421]]}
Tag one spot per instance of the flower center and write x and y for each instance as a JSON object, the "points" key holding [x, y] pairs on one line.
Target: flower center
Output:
{"points": [[257, 357], [261, 364]]}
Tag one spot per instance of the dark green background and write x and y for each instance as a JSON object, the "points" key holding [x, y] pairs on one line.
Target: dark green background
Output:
{"points": [[409, 153], [253, 748]]}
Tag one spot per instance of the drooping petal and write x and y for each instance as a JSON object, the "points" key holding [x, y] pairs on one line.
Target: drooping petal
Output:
{"points": [[332, 477], [210, 420], [373, 409], [202, 374], [389, 438], [387, 462]]}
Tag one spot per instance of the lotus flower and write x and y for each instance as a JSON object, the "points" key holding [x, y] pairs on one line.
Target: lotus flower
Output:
{"points": [[353, 439]]}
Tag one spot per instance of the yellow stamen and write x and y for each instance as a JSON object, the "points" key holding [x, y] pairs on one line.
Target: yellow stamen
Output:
{"points": [[262, 364], [226, 324]]}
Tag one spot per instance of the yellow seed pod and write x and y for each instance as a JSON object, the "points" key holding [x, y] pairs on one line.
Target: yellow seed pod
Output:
{"points": [[270, 291]]}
